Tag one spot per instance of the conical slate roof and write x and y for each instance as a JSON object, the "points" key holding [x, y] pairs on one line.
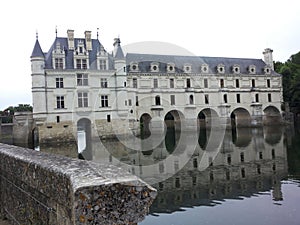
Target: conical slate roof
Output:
{"points": [[37, 50]]}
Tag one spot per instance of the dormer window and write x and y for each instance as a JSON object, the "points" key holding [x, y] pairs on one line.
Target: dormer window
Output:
{"points": [[134, 67], [236, 69], [221, 68], [204, 68], [171, 67], [187, 68], [154, 67], [58, 57], [80, 49], [252, 69], [267, 70], [81, 59]]}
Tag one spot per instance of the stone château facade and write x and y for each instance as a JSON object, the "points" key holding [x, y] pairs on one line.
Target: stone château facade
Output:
{"points": [[78, 85]]}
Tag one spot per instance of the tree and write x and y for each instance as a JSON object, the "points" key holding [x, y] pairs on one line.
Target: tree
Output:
{"points": [[290, 71], [8, 113]]}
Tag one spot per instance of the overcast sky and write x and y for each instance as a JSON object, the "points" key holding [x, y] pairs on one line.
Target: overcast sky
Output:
{"points": [[227, 28]]}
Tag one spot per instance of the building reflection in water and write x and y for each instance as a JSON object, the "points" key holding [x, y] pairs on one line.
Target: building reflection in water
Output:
{"points": [[248, 161]]}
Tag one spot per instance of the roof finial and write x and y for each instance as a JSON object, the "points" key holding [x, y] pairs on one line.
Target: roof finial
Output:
{"points": [[56, 31], [36, 34], [97, 33]]}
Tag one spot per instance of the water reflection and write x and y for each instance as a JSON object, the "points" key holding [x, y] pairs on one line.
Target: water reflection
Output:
{"points": [[247, 161]]}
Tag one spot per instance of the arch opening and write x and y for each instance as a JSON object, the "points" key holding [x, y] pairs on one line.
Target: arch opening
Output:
{"points": [[204, 119], [84, 139], [272, 116], [145, 120]]}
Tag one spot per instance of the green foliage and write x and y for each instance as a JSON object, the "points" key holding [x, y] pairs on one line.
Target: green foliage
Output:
{"points": [[8, 113], [290, 71]]}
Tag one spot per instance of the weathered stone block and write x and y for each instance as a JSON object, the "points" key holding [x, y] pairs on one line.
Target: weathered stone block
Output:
{"points": [[40, 188]]}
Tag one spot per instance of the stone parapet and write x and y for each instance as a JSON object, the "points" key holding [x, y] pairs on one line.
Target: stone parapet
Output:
{"points": [[41, 188]]}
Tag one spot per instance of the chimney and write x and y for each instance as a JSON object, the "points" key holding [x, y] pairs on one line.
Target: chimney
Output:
{"points": [[268, 57], [70, 39], [88, 40]]}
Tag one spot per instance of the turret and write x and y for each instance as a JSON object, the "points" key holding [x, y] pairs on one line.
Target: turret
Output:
{"points": [[38, 79], [268, 57], [120, 68]]}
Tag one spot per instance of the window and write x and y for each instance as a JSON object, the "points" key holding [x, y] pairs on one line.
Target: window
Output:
{"points": [[253, 83], [195, 163], [171, 83], [60, 102], [222, 83], [57, 119], [273, 153], [155, 83], [172, 99], [243, 172], [134, 83], [82, 79], [125, 84], [129, 102], [205, 83], [81, 64], [206, 99], [136, 100], [82, 99], [258, 169], [108, 119], [242, 157], [256, 98], [59, 63], [103, 64], [103, 82], [194, 180], [238, 98], [191, 99], [229, 159], [227, 175], [268, 83], [157, 100], [260, 155], [225, 98], [188, 82], [237, 83], [104, 101], [177, 182], [59, 82], [269, 97]]}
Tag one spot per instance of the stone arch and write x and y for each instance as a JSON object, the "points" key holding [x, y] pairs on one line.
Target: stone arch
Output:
{"points": [[205, 116], [204, 119], [272, 135], [272, 116], [145, 120], [84, 139], [173, 118], [174, 122], [240, 117]]}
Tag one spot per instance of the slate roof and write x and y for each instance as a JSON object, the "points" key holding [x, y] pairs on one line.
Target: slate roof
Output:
{"points": [[37, 50], [144, 61], [69, 54]]}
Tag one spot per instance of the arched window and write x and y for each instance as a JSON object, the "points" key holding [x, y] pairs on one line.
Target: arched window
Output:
{"points": [[157, 100], [191, 99]]}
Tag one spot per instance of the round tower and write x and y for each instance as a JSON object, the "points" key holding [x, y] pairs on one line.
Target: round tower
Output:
{"points": [[38, 81]]}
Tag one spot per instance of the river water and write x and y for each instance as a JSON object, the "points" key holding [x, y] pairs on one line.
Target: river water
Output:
{"points": [[236, 176]]}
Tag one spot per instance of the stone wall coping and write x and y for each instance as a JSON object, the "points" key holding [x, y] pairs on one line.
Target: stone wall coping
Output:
{"points": [[74, 187]]}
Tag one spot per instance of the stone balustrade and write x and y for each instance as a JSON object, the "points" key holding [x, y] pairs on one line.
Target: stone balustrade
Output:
{"points": [[41, 188]]}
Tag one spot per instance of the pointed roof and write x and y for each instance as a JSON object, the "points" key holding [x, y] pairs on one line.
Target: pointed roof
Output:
{"points": [[118, 52], [37, 50]]}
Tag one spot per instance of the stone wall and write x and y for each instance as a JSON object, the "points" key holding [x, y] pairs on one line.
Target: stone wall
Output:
{"points": [[40, 188]]}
